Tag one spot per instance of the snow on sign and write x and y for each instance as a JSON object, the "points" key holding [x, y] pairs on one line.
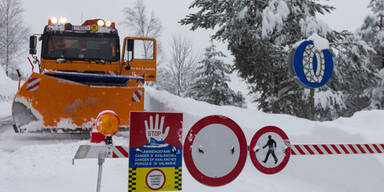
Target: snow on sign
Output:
{"points": [[215, 150], [312, 66], [155, 151], [270, 150]]}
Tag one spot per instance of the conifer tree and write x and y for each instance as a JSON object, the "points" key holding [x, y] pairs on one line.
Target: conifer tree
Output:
{"points": [[212, 77], [372, 31], [262, 34]]}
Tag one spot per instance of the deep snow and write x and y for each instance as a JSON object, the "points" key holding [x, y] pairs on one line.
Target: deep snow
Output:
{"points": [[8, 89], [43, 163]]}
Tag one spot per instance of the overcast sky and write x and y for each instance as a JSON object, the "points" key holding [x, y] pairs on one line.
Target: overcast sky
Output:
{"points": [[348, 15], [37, 13]]}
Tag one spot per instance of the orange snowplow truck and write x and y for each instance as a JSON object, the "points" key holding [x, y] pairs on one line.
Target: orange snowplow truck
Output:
{"points": [[81, 73]]}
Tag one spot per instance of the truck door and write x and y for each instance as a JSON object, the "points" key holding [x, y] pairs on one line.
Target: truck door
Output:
{"points": [[139, 57]]}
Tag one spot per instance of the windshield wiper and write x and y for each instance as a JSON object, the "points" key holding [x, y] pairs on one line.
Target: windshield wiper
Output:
{"points": [[63, 59], [100, 60], [97, 60]]}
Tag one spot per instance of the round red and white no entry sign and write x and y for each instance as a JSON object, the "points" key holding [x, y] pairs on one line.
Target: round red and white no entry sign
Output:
{"points": [[270, 150], [155, 179], [215, 150]]}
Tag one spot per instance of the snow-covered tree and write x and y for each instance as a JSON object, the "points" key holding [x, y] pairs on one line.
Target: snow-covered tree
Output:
{"points": [[372, 31], [139, 24], [211, 81], [13, 35], [377, 94], [262, 34], [377, 7], [354, 75], [177, 76]]}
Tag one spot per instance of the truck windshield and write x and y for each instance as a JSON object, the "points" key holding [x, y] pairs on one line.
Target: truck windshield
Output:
{"points": [[81, 47]]}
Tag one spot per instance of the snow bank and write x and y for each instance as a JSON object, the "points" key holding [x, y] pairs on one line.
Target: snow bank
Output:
{"points": [[8, 89], [44, 168], [364, 123], [303, 173], [44, 164]]}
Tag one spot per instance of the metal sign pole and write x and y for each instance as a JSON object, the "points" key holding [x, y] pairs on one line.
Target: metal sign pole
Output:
{"points": [[101, 159], [100, 152]]}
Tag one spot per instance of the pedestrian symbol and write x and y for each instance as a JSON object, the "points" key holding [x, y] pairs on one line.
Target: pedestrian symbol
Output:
{"points": [[270, 150]]}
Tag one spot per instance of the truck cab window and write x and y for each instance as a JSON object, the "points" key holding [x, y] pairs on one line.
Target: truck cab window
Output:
{"points": [[77, 47]]}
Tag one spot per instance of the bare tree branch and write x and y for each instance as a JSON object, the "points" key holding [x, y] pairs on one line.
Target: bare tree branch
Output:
{"points": [[140, 25], [13, 34], [181, 68]]}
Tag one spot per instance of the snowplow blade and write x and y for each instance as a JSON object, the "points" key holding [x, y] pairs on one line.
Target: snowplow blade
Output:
{"points": [[70, 101]]}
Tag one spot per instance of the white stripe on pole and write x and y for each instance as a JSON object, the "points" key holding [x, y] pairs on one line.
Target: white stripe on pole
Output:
{"points": [[32, 83], [134, 96], [331, 149], [304, 149], [313, 149], [322, 149], [117, 152], [295, 150], [340, 149], [381, 147], [365, 148]]}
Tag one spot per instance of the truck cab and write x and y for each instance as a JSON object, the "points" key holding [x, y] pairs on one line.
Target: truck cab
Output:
{"points": [[94, 47], [82, 72]]}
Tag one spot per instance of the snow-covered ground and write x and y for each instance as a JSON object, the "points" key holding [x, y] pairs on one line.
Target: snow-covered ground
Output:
{"points": [[44, 163], [8, 89]]}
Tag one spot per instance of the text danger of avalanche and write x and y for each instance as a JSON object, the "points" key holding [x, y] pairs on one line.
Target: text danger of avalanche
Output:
{"points": [[155, 159]]}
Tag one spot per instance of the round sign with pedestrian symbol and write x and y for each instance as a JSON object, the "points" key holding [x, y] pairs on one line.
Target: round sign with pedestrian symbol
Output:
{"points": [[215, 150], [270, 150]]}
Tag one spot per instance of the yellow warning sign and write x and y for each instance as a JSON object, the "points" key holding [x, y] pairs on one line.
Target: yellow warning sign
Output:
{"points": [[155, 178], [94, 27]]}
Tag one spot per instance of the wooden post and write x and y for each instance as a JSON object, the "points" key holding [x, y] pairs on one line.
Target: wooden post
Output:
{"points": [[312, 102]]}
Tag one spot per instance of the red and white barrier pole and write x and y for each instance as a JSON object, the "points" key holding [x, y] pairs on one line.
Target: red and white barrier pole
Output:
{"points": [[336, 149]]}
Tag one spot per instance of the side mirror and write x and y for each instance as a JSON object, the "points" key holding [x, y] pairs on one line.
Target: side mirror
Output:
{"points": [[32, 45], [130, 45]]}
